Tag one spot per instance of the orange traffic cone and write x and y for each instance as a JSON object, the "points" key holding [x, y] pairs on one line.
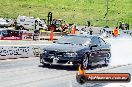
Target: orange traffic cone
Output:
{"points": [[116, 32], [51, 35]]}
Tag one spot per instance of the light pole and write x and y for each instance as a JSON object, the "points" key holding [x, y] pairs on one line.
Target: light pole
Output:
{"points": [[106, 8]]}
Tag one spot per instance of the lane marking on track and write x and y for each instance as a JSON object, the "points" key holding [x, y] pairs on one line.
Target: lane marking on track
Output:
{"points": [[108, 68], [63, 75], [18, 59]]}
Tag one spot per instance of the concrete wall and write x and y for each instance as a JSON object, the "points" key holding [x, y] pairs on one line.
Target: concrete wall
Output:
{"points": [[21, 51]]}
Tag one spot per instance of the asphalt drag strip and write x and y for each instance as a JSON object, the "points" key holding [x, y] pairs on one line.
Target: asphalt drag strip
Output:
{"points": [[32, 74]]}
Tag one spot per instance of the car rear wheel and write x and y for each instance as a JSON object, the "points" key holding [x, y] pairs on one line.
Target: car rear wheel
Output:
{"points": [[106, 62], [85, 61]]}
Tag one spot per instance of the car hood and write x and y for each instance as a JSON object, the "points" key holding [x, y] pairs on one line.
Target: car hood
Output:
{"points": [[65, 47]]}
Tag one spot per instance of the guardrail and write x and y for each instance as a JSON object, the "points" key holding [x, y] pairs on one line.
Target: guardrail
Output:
{"points": [[19, 51], [109, 31], [31, 50], [46, 35], [15, 51], [127, 32]]}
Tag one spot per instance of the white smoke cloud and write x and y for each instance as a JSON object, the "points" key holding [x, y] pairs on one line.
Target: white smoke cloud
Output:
{"points": [[121, 50]]}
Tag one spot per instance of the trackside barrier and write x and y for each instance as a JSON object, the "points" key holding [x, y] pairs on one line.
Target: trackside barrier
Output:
{"points": [[21, 51], [97, 30], [109, 31], [15, 51], [27, 35], [46, 35], [31, 50], [127, 32]]}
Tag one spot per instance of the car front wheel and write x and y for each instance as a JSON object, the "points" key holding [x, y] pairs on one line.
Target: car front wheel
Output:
{"points": [[85, 61], [43, 62]]}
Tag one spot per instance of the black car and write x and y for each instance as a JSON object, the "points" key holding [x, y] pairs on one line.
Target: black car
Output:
{"points": [[76, 50]]}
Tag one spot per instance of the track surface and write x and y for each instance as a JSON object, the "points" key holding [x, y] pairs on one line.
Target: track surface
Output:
{"points": [[29, 73]]}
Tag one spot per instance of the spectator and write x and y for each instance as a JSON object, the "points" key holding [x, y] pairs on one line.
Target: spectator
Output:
{"points": [[123, 26], [127, 26], [91, 30], [116, 32], [120, 26]]}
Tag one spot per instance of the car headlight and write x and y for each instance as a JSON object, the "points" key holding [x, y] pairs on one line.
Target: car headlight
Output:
{"points": [[70, 54], [45, 52]]}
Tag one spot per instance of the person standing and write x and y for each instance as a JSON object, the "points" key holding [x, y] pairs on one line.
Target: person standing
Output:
{"points": [[127, 26], [120, 26], [116, 32], [91, 30]]}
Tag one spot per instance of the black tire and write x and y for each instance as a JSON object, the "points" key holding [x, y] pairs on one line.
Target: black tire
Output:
{"points": [[43, 62], [85, 61], [107, 59]]}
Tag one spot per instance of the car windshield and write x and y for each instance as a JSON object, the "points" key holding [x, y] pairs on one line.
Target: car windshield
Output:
{"points": [[75, 40]]}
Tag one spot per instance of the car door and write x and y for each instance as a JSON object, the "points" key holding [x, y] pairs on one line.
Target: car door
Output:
{"points": [[95, 49], [104, 48]]}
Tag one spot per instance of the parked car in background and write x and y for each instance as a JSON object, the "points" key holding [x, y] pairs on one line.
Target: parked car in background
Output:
{"points": [[3, 23], [10, 34], [76, 50]]}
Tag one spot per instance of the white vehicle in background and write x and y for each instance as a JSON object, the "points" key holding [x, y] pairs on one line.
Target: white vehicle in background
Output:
{"points": [[30, 23], [3, 23]]}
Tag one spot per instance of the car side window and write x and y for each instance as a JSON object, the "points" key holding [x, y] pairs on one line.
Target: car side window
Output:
{"points": [[95, 41], [101, 41]]}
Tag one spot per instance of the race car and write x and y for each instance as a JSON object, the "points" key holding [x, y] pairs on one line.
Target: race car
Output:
{"points": [[75, 50]]}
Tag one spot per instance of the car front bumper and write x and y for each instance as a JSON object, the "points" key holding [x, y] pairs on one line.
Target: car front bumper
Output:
{"points": [[61, 61], [61, 64]]}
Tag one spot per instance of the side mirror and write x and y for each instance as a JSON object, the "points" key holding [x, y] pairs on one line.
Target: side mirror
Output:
{"points": [[54, 41], [93, 46]]}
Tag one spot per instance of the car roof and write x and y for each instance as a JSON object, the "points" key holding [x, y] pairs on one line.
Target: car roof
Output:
{"points": [[82, 35]]}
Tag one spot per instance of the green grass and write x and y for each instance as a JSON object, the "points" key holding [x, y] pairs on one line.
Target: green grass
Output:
{"points": [[72, 11]]}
